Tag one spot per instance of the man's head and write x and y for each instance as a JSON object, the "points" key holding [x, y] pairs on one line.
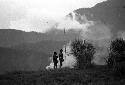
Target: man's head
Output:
{"points": [[61, 50], [55, 53]]}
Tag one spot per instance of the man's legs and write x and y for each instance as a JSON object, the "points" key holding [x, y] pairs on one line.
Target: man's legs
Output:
{"points": [[60, 63], [54, 65]]}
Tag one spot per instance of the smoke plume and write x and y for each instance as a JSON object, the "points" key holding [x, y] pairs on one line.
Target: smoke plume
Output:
{"points": [[98, 33], [69, 59]]}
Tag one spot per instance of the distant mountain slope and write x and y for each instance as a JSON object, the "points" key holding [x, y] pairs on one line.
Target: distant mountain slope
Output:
{"points": [[10, 37], [111, 13], [28, 56], [21, 50], [46, 46]]}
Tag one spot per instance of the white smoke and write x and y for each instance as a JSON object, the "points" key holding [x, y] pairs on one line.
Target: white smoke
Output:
{"points": [[121, 34], [38, 15], [98, 33], [72, 23], [69, 59]]}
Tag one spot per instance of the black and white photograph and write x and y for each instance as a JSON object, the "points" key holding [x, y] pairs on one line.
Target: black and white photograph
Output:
{"points": [[62, 42]]}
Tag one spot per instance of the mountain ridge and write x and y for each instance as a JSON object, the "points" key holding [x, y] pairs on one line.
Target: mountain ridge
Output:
{"points": [[110, 12], [11, 37]]}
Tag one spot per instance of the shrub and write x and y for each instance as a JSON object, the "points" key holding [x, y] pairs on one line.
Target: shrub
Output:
{"points": [[116, 54], [83, 51]]}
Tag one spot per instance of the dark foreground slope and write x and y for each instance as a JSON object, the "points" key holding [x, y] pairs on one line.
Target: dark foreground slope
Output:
{"points": [[62, 77]]}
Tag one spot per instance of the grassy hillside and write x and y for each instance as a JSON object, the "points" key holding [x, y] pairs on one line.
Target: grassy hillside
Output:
{"points": [[15, 59], [11, 37], [93, 76], [46, 46], [28, 56]]}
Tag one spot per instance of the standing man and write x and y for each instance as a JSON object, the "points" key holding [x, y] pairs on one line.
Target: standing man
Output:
{"points": [[55, 61], [61, 57]]}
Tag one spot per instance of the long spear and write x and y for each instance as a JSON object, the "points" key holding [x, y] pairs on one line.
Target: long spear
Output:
{"points": [[65, 41]]}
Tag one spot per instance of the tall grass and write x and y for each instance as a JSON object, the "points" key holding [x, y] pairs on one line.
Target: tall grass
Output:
{"points": [[64, 76]]}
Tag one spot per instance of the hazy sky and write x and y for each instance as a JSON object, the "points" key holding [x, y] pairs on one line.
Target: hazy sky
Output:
{"points": [[32, 15]]}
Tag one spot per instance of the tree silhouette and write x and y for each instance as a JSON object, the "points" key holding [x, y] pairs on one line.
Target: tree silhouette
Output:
{"points": [[116, 54], [83, 51]]}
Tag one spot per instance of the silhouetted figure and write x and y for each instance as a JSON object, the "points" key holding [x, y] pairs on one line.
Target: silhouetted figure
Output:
{"points": [[55, 61], [61, 57]]}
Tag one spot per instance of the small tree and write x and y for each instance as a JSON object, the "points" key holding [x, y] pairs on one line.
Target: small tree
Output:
{"points": [[116, 54], [118, 45], [83, 51]]}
